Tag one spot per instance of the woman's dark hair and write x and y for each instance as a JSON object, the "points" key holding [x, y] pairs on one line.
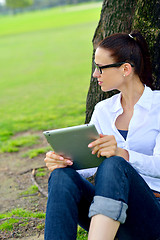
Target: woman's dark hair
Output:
{"points": [[131, 48]]}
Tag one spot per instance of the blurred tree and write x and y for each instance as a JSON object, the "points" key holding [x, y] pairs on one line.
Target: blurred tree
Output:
{"points": [[18, 3], [123, 16]]}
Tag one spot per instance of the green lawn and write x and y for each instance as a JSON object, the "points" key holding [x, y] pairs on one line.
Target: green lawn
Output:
{"points": [[45, 65]]}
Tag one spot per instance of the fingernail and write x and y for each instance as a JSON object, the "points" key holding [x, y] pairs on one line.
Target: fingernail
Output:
{"points": [[90, 145], [61, 158], [92, 152], [69, 162]]}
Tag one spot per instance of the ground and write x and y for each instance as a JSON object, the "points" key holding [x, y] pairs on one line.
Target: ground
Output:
{"points": [[14, 181], [15, 190]]}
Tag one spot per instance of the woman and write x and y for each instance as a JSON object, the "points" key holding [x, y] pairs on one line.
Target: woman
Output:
{"points": [[125, 201]]}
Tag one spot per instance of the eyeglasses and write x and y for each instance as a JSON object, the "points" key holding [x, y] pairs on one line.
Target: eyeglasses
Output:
{"points": [[99, 68]]}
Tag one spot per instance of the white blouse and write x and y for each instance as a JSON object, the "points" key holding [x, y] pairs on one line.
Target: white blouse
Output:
{"points": [[143, 138]]}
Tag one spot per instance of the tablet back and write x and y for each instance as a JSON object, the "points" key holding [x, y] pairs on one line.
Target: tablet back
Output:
{"points": [[72, 143]]}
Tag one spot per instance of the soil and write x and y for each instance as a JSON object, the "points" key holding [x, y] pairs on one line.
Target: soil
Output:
{"points": [[15, 175]]}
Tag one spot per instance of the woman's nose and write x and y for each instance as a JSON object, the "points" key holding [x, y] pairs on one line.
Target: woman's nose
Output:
{"points": [[96, 73]]}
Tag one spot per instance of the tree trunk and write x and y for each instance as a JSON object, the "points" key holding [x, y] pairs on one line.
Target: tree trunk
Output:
{"points": [[147, 20], [123, 16], [116, 16]]}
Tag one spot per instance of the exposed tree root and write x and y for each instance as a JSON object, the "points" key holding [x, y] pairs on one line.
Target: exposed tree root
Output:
{"points": [[42, 191], [29, 170]]}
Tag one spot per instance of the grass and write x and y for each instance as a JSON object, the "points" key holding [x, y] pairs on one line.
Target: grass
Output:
{"points": [[81, 234], [35, 152], [45, 68], [40, 226], [13, 145], [45, 71], [8, 224], [24, 216], [19, 212], [41, 172], [31, 190]]}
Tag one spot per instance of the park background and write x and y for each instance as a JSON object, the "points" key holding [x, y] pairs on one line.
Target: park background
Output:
{"points": [[46, 61], [45, 67]]}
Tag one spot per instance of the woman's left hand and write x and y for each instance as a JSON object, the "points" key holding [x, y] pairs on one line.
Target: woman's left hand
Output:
{"points": [[106, 146]]}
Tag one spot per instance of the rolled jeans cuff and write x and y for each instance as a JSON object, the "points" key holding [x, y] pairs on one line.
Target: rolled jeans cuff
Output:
{"points": [[109, 207]]}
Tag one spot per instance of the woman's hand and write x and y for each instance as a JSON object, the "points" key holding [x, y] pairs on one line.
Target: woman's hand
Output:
{"points": [[54, 161], [106, 146]]}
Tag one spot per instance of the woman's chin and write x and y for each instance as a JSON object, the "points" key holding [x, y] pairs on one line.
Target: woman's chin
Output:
{"points": [[105, 89]]}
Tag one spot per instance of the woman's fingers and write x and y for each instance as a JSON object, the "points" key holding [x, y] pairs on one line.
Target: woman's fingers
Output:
{"points": [[54, 161], [101, 146], [51, 162], [106, 145], [107, 152], [101, 140], [53, 167], [53, 155]]}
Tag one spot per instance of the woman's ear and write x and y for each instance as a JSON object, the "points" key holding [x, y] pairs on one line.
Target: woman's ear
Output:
{"points": [[127, 69]]}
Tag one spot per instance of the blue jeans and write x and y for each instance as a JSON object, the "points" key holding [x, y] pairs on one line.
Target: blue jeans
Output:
{"points": [[119, 193]]}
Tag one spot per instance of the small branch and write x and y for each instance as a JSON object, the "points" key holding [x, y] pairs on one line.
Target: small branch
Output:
{"points": [[43, 192], [29, 170], [29, 195]]}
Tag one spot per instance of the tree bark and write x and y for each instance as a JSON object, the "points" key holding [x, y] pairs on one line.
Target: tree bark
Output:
{"points": [[116, 16], [123, 16], [147, 20]]}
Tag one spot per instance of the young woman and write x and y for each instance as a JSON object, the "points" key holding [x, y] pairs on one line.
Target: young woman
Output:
{"points": [[125, 201]]}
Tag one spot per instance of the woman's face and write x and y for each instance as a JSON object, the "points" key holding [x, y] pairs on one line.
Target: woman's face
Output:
{"points": [[111, 78]]}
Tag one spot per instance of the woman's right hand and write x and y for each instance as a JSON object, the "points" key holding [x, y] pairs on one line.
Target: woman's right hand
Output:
{"points": [[54, 161]]}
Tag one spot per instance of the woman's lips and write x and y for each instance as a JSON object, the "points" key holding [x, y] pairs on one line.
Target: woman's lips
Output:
{"points": [[100, 82]]}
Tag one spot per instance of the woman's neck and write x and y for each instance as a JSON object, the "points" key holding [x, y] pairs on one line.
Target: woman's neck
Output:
{"points": [[131, 93]]}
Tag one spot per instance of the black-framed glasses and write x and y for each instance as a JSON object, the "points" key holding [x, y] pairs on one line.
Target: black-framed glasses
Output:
{"points": [[99, 68]]}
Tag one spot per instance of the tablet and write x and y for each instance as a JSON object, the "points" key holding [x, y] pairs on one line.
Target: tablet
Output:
{"points": [[72, 143]]}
